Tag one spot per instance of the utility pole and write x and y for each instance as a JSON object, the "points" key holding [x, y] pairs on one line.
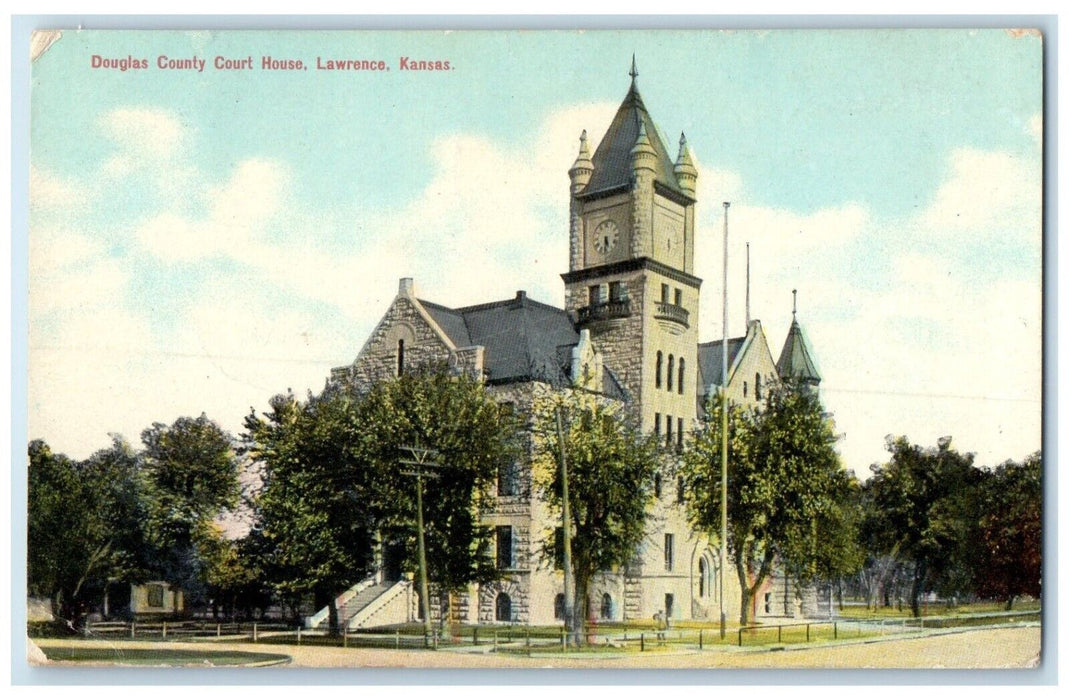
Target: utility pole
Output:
{"points": [[724, 437], [566, 532], [419, 464]]}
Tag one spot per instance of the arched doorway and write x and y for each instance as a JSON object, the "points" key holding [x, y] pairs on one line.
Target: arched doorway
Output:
{"points": [[503, 608]]}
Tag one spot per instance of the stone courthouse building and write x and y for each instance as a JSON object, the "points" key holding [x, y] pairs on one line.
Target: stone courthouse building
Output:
{"points": [[628, 329]]}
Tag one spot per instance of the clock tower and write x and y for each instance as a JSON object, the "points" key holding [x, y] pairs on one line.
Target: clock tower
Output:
{"points": [[631, 264]]}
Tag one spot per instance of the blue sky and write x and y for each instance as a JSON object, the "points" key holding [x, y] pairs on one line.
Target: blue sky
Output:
{"points": [[201, 241]]}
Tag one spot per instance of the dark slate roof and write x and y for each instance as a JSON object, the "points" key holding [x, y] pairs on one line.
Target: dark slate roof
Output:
{"points": [[711, 362], [796, 361], [612, 159], [521, 336]]}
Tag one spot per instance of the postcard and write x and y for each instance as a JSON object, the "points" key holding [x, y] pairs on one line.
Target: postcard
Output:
{"points": [[580, 349]]}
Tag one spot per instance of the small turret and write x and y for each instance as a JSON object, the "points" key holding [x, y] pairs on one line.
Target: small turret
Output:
{"points": [[686, 173], [583, 167], [643, 155]]}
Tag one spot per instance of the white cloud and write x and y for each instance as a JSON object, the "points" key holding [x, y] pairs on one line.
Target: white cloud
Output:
{"points": [[144, 132], [49, 192]]}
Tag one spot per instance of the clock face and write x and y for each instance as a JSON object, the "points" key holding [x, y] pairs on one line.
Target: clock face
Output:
{"points": [[606, 235]]}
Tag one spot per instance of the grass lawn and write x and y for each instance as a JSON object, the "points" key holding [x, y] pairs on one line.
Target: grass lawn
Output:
{"points": [[157, 657]]}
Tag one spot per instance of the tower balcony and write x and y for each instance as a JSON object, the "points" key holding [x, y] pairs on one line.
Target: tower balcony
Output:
{"points": [[671, 312], [605, 311]]}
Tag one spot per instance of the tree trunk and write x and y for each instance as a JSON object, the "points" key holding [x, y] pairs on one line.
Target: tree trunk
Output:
{"points": [[579, 611], [920, 574], [1009, 602]]}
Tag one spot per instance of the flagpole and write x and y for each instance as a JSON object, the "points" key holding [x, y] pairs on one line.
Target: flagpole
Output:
{"points": [[724, 437]]}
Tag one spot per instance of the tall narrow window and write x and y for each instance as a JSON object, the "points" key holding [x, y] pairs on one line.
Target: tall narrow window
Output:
{"points": [[744, 390], [617, 291], [679, 297], [657, 484], [669, 550], [679, 433], [558, 606], [606, 606], [671, 362], [664, 293], [504, 547], [680, 489], [668, 431], [656, 423], [679, 376], [595, 294], [660, 361], [503, 608], [507, 478], [400, 357], [757, 386]]}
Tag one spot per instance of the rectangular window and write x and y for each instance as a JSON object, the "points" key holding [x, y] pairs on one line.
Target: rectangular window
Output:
{"points": [[664, 293], [595, 294], [679, 297], [617, 291], [680, 492], [155, 596], [669, 605], [656, 423], [668, 431], [679, 433], [669, 550], [504, 547], [508, 479]]}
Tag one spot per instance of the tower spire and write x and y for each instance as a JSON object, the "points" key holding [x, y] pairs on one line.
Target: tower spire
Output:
{"points": [[794, 309], [634, 71]]}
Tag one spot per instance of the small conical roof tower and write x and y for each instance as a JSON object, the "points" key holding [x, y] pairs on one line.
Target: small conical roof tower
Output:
{"points": [[796, 364]]}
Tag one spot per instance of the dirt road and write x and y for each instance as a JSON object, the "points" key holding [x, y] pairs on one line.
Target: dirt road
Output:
{"points": [[991, 648]]}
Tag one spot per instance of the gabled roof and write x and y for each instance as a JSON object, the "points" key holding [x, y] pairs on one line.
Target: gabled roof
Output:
{"points": [[796, 361], [520, 336], [612, 159], [711, 362]]}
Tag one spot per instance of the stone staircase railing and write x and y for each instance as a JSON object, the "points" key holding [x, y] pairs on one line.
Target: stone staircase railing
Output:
{"points": [[314, 621], [374, 607]]}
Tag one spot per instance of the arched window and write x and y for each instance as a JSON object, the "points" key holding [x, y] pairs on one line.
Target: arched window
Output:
{"points": [[503, 608], [671, 361], [660, 361], [703, 573], [757, 386], [657, 483], [679, 377], [400, 357], [606, 606], [558, 606]]}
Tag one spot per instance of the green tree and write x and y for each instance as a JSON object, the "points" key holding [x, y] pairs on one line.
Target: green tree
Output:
{"points": [[85, 525], [315, 513], [788, 497], [192, 470], [1010, 526], [917, 509], [474, 436], [611, 466]]}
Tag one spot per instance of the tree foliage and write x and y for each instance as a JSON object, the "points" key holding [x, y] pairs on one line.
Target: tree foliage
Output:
{"points": [[85, 525], [788, 498], [192, 471], [611, 466], [919, 507], [1010, 531]]}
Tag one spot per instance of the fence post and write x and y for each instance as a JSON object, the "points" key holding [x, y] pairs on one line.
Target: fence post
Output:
{"points": [[563, 640], [165, 629], [475, 636], [397, 639], [807, 631], [298, 635], [740, 636], [133, 625], [700, 645], [218, 630], [345, 637], [779, 633], [642, 641], [835, 630], [255, 633], [495, 640]]}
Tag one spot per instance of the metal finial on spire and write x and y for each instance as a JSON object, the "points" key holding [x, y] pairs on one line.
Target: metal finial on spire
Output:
{"points": [[634, 71], [794, 310]]}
